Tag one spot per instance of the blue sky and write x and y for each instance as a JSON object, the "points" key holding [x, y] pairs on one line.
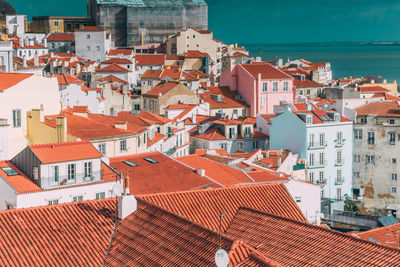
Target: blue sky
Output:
{"points": [[274, 21]]}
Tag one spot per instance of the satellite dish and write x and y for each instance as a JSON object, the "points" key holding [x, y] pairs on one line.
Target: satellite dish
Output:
{"points": [[117, 189], [221, 258]]}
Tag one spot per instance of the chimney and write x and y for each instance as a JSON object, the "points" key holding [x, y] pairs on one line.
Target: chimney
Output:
{"points": [[127, 204], [77, 68], [279, 162], [24, 62], [201, 172], [121, 125], [194, 118], [384, 81], [21, 42], [45, 42], [36, 59], [61, 127]]}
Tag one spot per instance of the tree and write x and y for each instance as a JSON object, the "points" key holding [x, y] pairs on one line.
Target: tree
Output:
{"points": [[6, 9]]}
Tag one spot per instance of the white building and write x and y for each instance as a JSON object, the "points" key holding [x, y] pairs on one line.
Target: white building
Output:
{"points": [[6, 57], [19, 93], [92, 43], [55, 173], [16, 24], [324, 138]]}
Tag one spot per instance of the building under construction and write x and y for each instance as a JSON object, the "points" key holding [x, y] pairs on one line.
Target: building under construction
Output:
{"points": [[133, 22]]}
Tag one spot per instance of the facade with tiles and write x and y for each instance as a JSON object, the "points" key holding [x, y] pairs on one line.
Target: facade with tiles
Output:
{"points": [[325, 139]]}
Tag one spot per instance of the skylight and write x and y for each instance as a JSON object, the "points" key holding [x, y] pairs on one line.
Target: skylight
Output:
{"points": [[151, 160], [130, 163], [9, 171]]}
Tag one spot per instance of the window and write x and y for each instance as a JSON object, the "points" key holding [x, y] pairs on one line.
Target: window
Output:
{"points": [[392, 138], [275, 86], [255, 144], [102, 148], [101, 195], [151, 160], [370, 159], [224, 146], [311, 160], [77, 198], [338, 176], [247, 132], [311, 177], [149, 82], [231, 133], [301, 92], [308, 91], [393, 176], [88, 48], [10, 207], [54, 174], [71, 171], [158, 130], [130, 163], [122, 145], [138, 141], [97, 48], [9, 171], [391, 121], [339, 159], [321, 159], [394, 190], [357, 158], [53, 202], [87, 36], [285, 86], [321, 139], [311, 140], [16, 117], [56, 23], [137, 107], [339, 193], [239, 145], [394, 160], [371, 138], [262, 101], [265, 87], [309, 119], [339, 138], [356, 174], [321, 176], [363, 120], [88, 169], [357, 134]]}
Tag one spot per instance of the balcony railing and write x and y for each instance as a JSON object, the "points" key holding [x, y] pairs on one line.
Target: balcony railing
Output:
{"points": [[171, 151], [339, 143], [321, 182], [339, 162], [62, 180], [317, 145], [339, 181], [317, 165]]}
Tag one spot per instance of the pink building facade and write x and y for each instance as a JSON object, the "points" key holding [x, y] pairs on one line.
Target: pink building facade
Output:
{"points": [[260, 84]]}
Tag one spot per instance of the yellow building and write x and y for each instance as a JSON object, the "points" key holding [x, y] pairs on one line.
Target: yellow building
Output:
{"points": [[392, 87], [49, 24]]}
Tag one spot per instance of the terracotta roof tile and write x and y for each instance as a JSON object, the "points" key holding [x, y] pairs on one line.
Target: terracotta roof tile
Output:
{"points": [[227, 101], [116, 52], [195, 54], [162, 89], [383, 109], [267, 71], [66, 79], [90, 29], [309, 245], [8, 80], [61, 152], [386, 236], [20, 183], [385, 96], [168, 175], [204, 206], [150, 60], [372, 89], [112, 79], [74, 234], [211, 134], [117, 61], [113, 68], [61, 37]]}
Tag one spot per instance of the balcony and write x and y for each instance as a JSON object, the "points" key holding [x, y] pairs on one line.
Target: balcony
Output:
{"points": [[317, 165], [321, 182], [171, 151], [339, 143], [317, 145], [80, 178]]}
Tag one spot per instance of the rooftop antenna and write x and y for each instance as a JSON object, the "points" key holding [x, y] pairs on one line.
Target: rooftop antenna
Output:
{"points": [[221, 256], [222, 214]]}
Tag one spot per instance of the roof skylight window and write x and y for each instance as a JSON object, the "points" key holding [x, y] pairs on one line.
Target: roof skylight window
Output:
{"points": [[130, 163], [151, 160], [9, 171]]}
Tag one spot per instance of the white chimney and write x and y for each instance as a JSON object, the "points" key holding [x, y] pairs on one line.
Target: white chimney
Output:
{"points": [[21, 42], [24, 62], [201, 172], [279, 162], [127, 204], [194, 118], [36, 59], [45, 42], [77, 68]]}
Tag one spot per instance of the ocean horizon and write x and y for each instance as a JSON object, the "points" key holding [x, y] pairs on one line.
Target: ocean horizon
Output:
{"points": [[356, 59]]}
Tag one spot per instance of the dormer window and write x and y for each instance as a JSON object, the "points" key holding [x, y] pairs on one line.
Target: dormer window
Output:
{"points": [[336, 117], [309, 119]]}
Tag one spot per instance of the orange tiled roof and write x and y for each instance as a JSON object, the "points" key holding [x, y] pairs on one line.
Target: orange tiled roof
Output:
{"points": [[386, 236], [267, 71], [198, 74], [228, 98], [112, 79], [195, 54], [219, 151], [162, 89], [385, 96], [382, 109], [309, 245], [8, 80], [61, 152], [61, 37], [116, 52], [90, 28], [74, 234], [117, 61], [20, 183], [168, 175], [211, 134], [306, 83], [221, 173], [113, 68], [268, 117], [151, 236], [65, 79], [372, 89], [147, 60], [204, 206]]}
